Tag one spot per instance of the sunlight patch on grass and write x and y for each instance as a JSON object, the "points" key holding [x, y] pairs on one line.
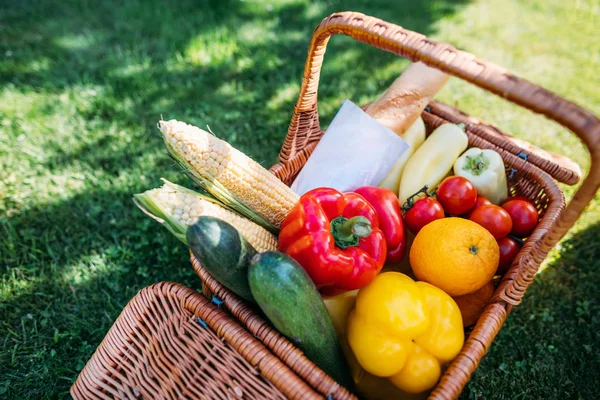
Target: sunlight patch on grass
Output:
{"points": [[315, 10], [88, 268], [253, 33], [231, 88], [132, 69], [75, 42], [389, 72], [340, 61], [285, 94], [271, 7], [244, 63], [38, 65], [212, 48], [12, 285], [238, 91], [290, 37], [15, 103]]}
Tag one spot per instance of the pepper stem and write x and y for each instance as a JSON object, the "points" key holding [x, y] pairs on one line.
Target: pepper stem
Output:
{"points": [[477, 164], [347, 232]]}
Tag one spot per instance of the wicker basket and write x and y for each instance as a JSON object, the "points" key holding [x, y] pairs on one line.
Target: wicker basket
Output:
{"points": [[530, 172], [147, 338], [170, 342]]}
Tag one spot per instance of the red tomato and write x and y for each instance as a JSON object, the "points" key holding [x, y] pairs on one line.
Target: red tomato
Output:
{"points": [[481, 201], [524, 216], [457, 195], [508, 251], [493, 218], [514, 198], [424, 211]]}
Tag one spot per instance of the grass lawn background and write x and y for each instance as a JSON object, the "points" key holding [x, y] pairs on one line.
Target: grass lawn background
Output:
{"points": [[83, 83]]}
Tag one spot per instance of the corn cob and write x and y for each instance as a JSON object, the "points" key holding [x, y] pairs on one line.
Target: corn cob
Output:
{"points": [[177, 207], [228, 174]]}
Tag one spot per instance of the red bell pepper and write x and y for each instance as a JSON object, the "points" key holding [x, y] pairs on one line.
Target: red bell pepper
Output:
{"points": [[388, 210], [336, 238]]}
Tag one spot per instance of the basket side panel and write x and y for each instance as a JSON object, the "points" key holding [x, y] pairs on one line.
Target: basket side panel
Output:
{"points": [[166, 344]]}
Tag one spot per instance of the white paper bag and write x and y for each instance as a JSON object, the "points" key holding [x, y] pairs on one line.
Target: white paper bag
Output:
{"points": [[356, 150]]}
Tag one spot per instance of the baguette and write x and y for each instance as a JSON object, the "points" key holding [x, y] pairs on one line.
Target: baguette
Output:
{"points": [[404, 101]]}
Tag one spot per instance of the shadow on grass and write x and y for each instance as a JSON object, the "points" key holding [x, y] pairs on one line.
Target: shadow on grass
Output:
{"points": [[70, 265], [561, 315], [73, 266], [233, 65]]}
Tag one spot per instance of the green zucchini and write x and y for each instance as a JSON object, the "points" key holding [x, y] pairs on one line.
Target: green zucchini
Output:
{"points": [[289, 298], [224, 252]]}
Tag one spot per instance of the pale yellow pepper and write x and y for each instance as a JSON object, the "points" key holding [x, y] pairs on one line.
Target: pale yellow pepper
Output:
{"points": [[484, 168], [414, 136], [433, 160], [404, 331], [339, 307]]}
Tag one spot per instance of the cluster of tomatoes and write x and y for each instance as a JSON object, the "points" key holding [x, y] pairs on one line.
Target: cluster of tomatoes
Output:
{"points": [[508, 222]]}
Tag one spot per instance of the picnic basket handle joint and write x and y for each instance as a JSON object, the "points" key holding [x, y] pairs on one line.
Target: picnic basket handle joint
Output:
{"points": [[304, 131]]}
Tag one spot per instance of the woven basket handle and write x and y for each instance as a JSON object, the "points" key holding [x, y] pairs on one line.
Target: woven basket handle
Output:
{"points": [[304, 131]]}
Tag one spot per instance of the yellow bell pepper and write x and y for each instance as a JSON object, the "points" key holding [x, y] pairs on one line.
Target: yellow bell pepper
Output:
{"points": [[375, 388], [404, 331]]}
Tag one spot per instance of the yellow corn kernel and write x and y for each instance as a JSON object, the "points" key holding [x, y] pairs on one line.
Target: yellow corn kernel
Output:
{"points": [[228, 174], [178, 207]]}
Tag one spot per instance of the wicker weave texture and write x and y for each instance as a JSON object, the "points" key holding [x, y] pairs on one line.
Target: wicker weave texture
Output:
{"points": [[172, 343]]}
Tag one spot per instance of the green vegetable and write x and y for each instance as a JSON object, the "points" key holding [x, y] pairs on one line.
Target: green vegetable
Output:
{"points": [[223, 252], [289, 298]]}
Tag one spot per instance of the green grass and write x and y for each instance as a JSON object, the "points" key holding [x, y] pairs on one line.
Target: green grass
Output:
{"points": [[83, 83]]}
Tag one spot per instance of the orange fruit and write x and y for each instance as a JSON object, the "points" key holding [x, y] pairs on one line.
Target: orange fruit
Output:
{"points": [[456, 255], [471, 305]]}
